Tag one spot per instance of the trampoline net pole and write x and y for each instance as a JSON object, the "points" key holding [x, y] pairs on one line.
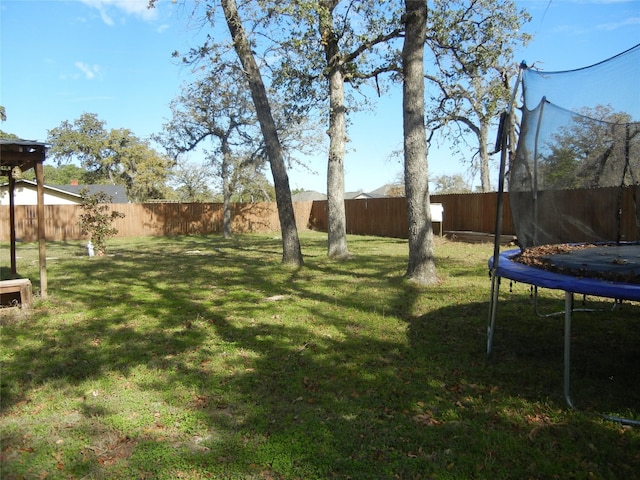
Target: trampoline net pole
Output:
{"points": [[504, 132]]}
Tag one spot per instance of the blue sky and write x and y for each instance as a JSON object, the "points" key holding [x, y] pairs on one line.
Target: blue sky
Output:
{"points": [[60, 58]]}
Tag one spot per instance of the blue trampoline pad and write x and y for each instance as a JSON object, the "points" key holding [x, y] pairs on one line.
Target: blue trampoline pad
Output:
{"points": [[603, 270]]}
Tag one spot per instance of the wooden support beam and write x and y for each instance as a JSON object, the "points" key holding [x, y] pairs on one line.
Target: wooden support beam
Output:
{"points": [[12, 224], [42, 249]]}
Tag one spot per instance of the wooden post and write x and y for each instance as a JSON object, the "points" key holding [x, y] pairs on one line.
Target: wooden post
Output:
{"points": [[42, 250], [12, 224]]}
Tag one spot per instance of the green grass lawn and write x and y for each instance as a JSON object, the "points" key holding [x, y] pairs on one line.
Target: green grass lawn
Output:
{"points": [[199, 357]]}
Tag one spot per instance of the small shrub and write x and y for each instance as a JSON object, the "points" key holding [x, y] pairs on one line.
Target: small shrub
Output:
{"points": [[97, 219]]}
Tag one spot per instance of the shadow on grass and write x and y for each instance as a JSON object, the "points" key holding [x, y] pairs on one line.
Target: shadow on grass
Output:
{"points": [[356, 387]]}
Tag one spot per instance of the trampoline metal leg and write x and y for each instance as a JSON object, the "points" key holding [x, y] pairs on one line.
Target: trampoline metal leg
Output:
{"points": [[493, 310], [568, 304]]}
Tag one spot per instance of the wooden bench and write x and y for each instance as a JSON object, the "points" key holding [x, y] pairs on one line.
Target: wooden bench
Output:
{"points": [[21, 286]]}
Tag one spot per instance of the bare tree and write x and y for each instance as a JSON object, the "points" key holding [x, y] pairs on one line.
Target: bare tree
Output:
{"points": [[472, 42], [190, 182], [216, 106]]}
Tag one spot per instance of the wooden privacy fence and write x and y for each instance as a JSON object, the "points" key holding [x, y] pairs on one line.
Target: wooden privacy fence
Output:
{"points": [[474, 212], [387, 217], [151, 219]]}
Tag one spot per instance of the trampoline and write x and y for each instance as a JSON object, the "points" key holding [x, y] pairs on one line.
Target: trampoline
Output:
{"points": [[574, 188], [620, 260]]}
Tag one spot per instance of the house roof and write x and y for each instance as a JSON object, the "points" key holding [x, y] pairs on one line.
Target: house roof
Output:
{"points": [[118, 193], [388, 190], [308, 196], [356, 195]]}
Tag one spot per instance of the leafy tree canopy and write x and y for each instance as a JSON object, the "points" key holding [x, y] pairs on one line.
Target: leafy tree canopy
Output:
{"points": [[62, 175], [447, 184], [592, 150], [3, 118], [472, 43], [113, 156]]}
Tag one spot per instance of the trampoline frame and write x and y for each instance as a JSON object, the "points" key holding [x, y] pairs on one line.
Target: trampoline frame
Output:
{"points": [[505, 267]]}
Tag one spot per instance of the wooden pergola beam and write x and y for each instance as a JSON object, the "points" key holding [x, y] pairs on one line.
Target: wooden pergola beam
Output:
{"points": [[42, 243], [12, 224], [26, 155]]}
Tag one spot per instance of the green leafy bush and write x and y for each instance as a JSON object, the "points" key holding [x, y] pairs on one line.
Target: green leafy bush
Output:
{"points": [[97, 219]]}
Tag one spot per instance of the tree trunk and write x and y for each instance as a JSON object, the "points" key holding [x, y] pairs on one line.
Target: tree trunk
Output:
{"points": [[291, 252], [421, 268], [336, 216], [485, 182], [337, 223], [226, 190]]}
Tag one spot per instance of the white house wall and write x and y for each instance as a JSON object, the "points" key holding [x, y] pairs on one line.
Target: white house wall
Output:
{"points": [[29, 196]]}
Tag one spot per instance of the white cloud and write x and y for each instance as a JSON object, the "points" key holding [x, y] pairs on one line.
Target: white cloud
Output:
{"points": [[631, 21], [136, 8], [89, 71]]}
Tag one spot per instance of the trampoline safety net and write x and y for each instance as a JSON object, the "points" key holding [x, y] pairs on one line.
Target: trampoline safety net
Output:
{"points": [[576, 174]]}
